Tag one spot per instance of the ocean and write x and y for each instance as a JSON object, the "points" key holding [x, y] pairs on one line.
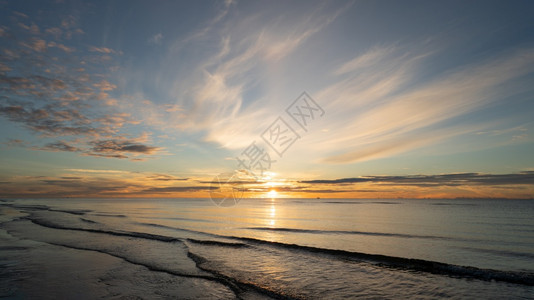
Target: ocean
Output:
{"points": [[266, 249]]}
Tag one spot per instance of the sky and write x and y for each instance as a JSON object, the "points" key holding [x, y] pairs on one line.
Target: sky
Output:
{"points": [[330, 99]]}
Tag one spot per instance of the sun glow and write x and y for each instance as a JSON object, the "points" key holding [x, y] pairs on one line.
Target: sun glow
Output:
{"points": [[272, 220], [272, 194]]}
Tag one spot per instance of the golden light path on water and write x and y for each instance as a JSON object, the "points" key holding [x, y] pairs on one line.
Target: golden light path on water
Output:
{"points": [[272, 220]]}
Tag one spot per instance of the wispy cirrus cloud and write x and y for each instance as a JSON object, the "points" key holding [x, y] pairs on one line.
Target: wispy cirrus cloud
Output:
{"points": [[388, 109], [213, 98], [212, 87], [379, 104]]}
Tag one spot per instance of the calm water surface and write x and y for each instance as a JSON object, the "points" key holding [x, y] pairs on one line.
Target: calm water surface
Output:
{"points": [[268, 248]]}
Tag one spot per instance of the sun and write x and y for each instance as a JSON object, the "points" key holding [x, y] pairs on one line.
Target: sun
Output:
{"points": [[272, 194]]}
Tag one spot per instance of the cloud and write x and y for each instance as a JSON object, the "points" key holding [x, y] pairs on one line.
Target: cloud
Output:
{"points": [[19, 14], [47, 122], [57, 96], [33, 29], [104, 85], [388, 109], [279, 48], [98, 183], [166, 177], [103, 148], [16, 143], [4, 68], [60, 146], [37, 45], [110, 146], [110, 183], [180, 189], [104, 50], [68, 186], [208, 27], [96, 171], [69, 22], [156, 39], [460, 179], [60, 46], [106, 155], [91, 186], [55, 31], [214, 99], [368, 59], [302, 190]]}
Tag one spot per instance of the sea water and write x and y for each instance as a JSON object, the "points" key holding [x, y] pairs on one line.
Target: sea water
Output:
{"points": [[267, 248]]}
